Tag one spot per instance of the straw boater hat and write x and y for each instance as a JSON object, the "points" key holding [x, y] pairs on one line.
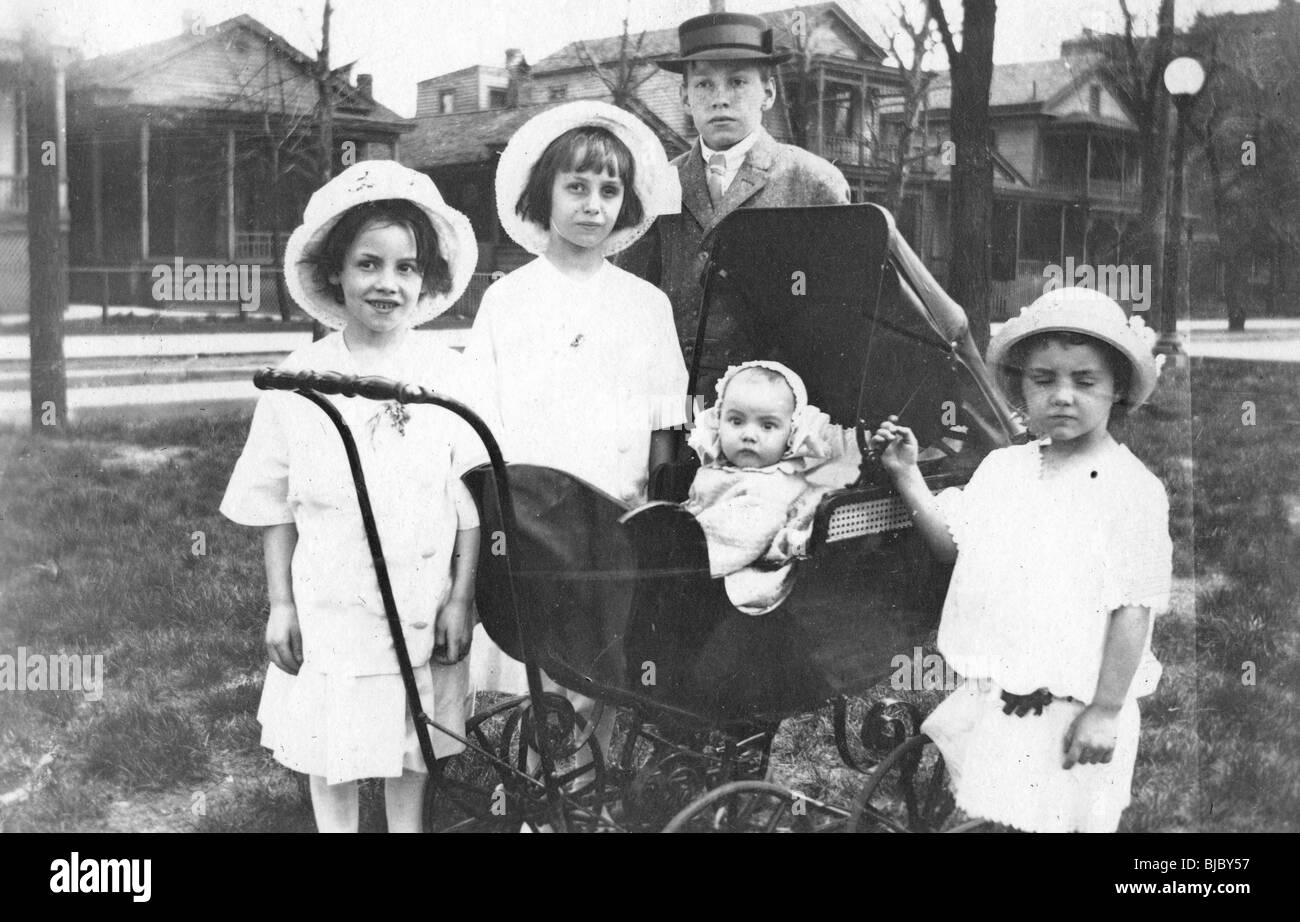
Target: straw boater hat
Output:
{"points": [[724, 37], [372, 181], [1083, 310], [657, 185]]}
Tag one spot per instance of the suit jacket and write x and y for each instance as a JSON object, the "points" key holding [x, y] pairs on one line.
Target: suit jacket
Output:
{"points": [[773, 175]]}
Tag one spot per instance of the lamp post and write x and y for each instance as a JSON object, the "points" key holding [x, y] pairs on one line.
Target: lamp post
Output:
{"points": [[1184, 78]]}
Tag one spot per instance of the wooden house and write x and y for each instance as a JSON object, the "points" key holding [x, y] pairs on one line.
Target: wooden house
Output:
{"points": [[202, 146], [1066, 174], [826, 103], [14, 169]]}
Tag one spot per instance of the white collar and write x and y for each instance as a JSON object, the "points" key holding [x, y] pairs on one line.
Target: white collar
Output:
{"points": [[735, 155]]}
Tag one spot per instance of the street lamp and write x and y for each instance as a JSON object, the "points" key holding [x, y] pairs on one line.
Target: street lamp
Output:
{"points": [[1184, 78]]}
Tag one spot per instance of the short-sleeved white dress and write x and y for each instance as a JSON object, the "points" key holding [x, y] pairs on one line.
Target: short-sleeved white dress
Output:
{"points": [[1041, 566], [579, 374], [344, 715]]}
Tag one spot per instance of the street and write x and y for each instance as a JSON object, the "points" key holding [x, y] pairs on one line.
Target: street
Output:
{"points": [[167, 374]]}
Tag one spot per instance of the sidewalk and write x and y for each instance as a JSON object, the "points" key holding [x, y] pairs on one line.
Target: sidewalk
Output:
{"points": [[152, 375]]}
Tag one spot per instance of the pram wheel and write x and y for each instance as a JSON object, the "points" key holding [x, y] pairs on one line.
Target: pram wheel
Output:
{"points": [[472, 794], [908, 792], [755, 806]]}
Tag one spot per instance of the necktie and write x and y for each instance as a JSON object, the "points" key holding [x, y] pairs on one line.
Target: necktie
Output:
{"points": [[717, 169]]}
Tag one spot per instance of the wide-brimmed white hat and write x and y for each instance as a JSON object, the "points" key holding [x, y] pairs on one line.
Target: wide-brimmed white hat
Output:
{"points": [[1083, 310], [372, 181], [657, 185]]}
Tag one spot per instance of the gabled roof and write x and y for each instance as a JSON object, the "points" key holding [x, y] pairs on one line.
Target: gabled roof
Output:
{"points": [[464, 137], [662, 43], [127, 75], [1027, 83], [474, 69], [1024, 88], [477, 137]]}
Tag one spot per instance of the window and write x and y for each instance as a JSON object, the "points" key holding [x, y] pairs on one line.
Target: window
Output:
{"points": [[447, 102], [842, 112], [1094, 99], [558, 92], [497, 98]]}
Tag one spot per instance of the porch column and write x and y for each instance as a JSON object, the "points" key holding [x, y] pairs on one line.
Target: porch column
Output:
{"points": [[1087, 170], [1060, 259], [1015, 272], [144, 189], [96, 195], [230, 195], [866, 128], [821, 114]]}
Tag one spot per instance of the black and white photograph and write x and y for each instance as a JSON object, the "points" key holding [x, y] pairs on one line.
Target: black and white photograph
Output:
{"points": [[638, 416]]}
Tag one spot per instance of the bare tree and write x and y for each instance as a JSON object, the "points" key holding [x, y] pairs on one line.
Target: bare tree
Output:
{"points": [[910, 60], [1246, 124], [972, 175], [797, 89], [1134, 68], [624, 77], [630, 69]]}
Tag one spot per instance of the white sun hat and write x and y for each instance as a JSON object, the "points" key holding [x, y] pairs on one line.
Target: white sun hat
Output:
{"points": [[657, 185], [372, 181], [1083, 310]]}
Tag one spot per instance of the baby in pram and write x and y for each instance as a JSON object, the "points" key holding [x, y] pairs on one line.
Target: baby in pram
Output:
{"points": [[751, 495]]}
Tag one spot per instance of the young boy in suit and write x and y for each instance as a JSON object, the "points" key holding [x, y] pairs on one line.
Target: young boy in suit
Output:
{"points": [[727, 64]]}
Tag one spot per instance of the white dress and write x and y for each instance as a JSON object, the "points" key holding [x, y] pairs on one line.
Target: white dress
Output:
{"points": [[1041, 566], [578, 374], [344, 715]]}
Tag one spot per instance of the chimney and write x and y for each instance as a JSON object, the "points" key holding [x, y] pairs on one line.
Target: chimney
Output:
{"points": [[365, 85], [192, 22], [519, 89]]}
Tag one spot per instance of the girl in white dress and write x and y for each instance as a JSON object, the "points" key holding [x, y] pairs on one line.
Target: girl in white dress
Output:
{"points": [[579, 357], [377, 254], [1062, 558]]}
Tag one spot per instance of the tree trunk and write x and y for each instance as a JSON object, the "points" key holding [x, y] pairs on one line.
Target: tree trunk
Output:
{"points": [[1154, 139], [1234, 291], [326, 98], [46, 256], [972, 175]]}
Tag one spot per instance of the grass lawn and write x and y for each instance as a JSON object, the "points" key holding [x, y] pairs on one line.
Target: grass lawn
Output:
{"points": [[99, 555]]}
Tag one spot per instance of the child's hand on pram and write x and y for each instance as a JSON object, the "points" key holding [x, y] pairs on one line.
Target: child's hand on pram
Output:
{"points": [[283, 638], [895, 446], [452, 632]]}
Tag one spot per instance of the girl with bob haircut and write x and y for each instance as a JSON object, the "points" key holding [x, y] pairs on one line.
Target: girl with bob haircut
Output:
{"points": [[579, 150], [577, 358]]}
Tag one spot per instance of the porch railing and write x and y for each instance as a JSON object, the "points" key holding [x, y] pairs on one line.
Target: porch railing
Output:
{"points": [[13, 193], [258, 245], [1093, 188]]}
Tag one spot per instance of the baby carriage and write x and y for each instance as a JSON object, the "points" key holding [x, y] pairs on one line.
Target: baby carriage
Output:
{"points": [[618, 603]]}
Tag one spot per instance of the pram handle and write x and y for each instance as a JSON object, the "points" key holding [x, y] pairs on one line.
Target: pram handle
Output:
{"points": [[372, 387]]}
